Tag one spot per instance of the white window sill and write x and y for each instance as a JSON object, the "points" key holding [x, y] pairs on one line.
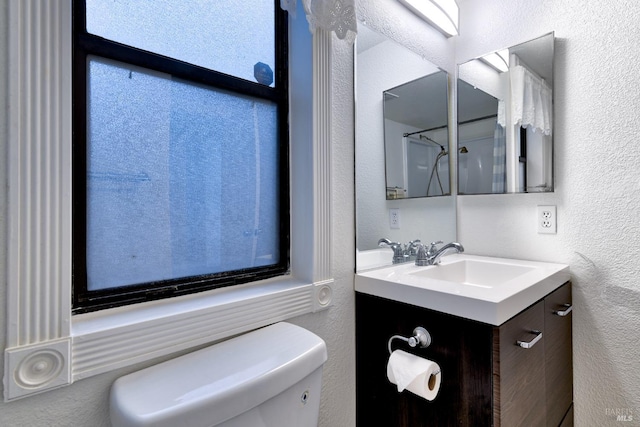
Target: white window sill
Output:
{"points": [[110, 339]]}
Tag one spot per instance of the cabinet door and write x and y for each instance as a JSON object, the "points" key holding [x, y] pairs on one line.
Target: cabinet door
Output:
{"points": [[462, 349], [558, 354], [519, 373]]}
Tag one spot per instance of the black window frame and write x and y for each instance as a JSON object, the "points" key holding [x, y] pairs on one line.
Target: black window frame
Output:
{"points": [[85, 44]]}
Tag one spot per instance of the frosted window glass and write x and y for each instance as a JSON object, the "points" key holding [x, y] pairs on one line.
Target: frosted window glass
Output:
{"points": [[226, 36], [181, 180]]}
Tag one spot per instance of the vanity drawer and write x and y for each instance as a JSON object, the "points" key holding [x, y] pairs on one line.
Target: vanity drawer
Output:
{"points": [[518, 369], [558, 354]]}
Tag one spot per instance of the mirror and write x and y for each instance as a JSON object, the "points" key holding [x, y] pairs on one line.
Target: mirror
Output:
{"points": [[505, 113], [382, 65], [416, 138]]}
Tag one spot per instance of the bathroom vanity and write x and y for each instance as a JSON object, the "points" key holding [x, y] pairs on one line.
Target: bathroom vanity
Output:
{"points": [[494, 373]]}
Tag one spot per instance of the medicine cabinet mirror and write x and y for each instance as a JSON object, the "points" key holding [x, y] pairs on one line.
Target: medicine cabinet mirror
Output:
{"points": [[505, 120], [398, 92], [416, 137]]}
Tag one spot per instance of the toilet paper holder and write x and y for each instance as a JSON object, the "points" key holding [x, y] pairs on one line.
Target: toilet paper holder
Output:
{"points": [[420, 337]]}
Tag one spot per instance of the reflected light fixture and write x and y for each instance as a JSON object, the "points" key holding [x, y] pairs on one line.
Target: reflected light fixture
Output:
{"points": [[443, 14], [498, 60]]}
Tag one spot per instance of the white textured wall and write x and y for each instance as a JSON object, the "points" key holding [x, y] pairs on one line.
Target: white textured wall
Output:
{"points": [[597, 153]]}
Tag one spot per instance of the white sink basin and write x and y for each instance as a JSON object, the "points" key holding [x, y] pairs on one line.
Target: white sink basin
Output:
{"points": [[481, 273], [486, 289]]}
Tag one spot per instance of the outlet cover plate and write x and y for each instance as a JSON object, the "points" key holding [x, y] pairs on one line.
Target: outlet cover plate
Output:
{"points": [[546, 220], [394, 218]]}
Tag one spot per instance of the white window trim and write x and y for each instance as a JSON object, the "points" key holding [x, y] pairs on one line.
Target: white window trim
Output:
{"points": [[46, 346]]}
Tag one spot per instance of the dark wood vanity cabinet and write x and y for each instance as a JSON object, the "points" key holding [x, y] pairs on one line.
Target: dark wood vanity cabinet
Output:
{"points": [[488, 379]]}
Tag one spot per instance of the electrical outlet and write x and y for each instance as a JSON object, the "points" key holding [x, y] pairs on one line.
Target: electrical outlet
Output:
{"points": [[394, 217], [546, 220]]}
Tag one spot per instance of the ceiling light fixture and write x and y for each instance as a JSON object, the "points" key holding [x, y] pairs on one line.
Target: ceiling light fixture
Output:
{"points": [[443, 14]]}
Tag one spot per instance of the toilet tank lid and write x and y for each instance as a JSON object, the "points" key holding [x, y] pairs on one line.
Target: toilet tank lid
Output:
{"points": [[209, 386]]}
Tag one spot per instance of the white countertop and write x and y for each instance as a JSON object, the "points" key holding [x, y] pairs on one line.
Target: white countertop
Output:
{"points": [[487, 289]]}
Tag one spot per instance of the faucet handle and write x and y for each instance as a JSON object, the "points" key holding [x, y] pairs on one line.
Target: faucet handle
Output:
{"points": [[412, 246], [433, 246]]}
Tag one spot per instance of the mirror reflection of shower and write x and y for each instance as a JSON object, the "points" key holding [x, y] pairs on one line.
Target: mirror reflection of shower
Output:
{"points": [[436, 165], [425, 166], [416, 138]]}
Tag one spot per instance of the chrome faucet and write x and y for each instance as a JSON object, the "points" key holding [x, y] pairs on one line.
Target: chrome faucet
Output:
{"points": [[401, 253], [432, 255], [398, 251]]}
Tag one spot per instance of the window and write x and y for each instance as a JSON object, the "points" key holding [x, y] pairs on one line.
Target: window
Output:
{"points": [[39, 264], [180, 167]]}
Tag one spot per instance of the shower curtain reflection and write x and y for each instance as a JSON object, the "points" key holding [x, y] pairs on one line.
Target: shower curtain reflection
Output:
{"points": [[476, 167], [499, 160]]}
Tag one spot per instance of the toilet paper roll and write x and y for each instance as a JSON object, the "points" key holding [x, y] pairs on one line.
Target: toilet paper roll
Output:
{"points": [[409, 372]]}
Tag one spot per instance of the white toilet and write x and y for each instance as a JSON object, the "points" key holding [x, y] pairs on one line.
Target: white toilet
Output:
{"points": [[270, 377]]}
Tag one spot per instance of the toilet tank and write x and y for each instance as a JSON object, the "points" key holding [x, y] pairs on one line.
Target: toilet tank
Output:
{"points": [[269, 377]]}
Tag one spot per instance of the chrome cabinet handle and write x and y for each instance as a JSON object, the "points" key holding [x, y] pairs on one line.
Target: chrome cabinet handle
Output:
{"points": [[525, 344], [567, 310]]}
